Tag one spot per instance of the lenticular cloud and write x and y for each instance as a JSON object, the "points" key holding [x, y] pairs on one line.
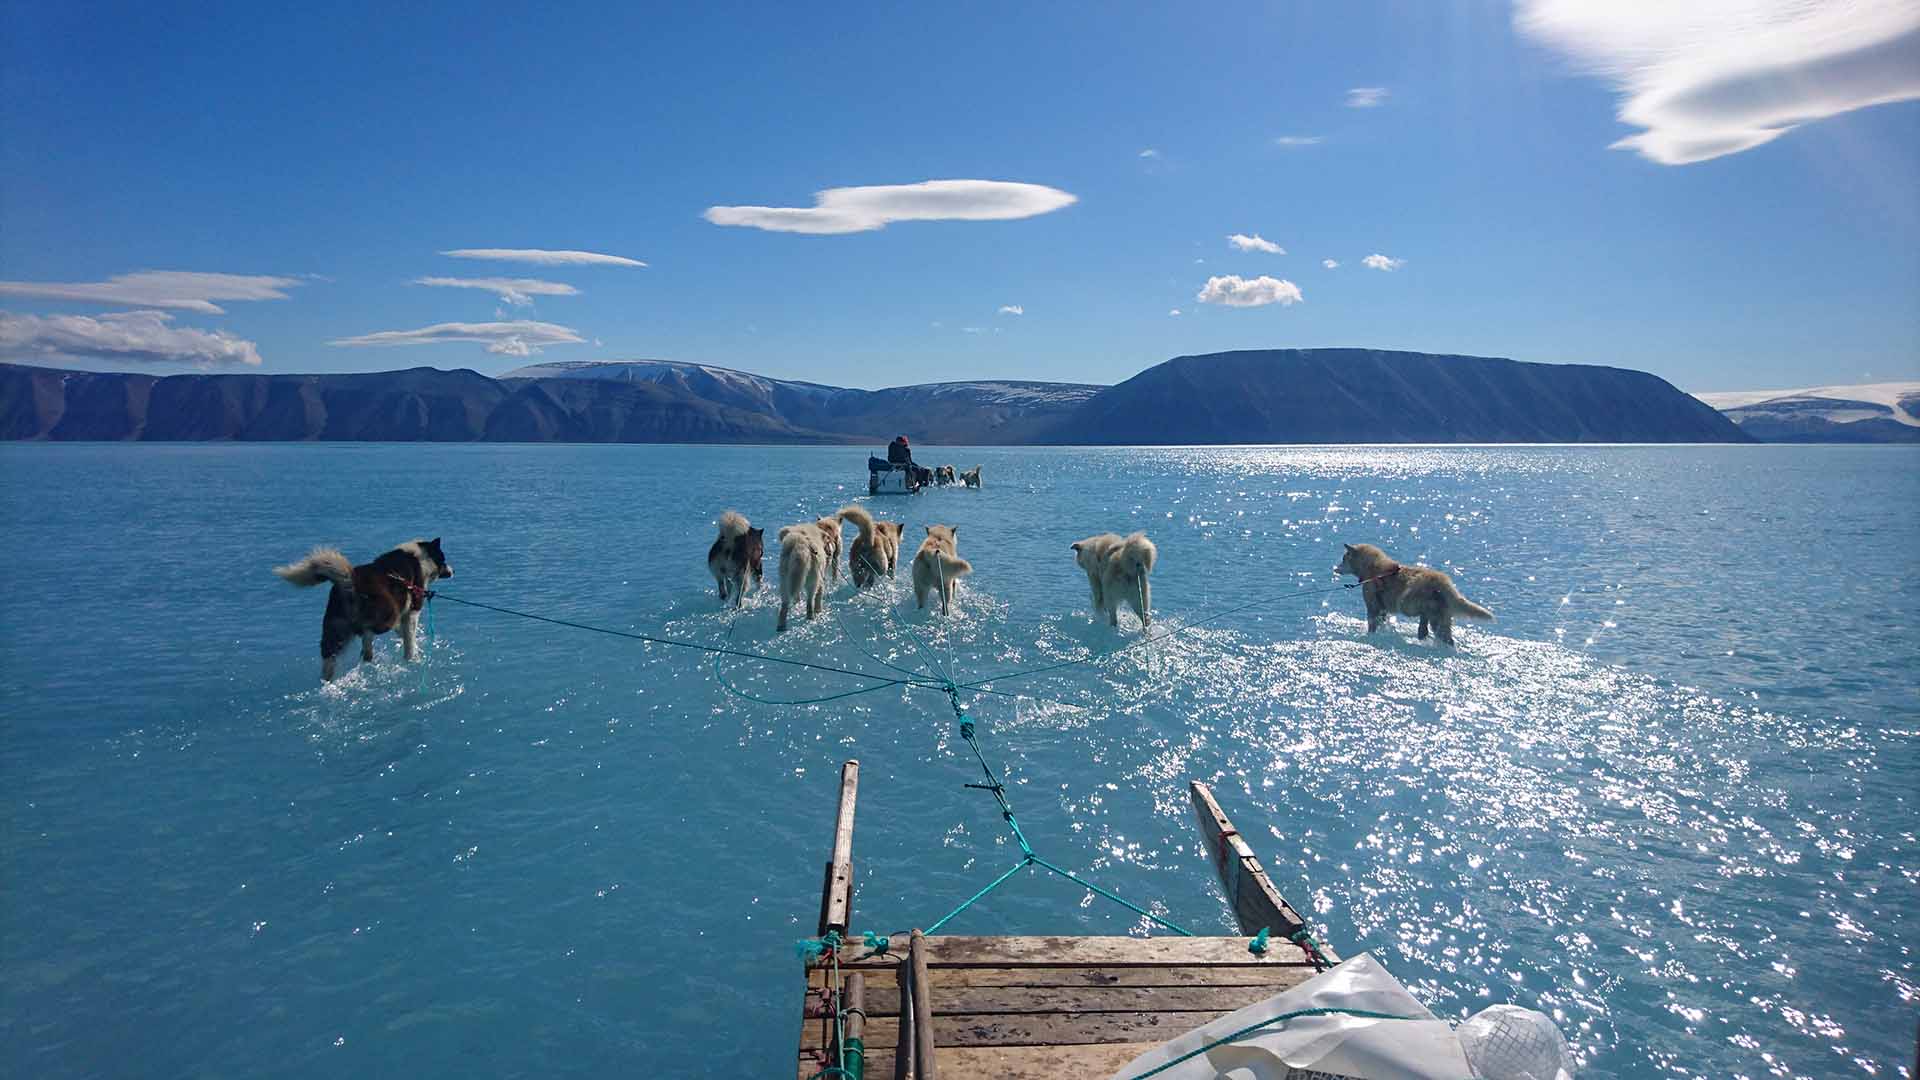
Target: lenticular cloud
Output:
{"points": [[1707, 80], [520, 337], [863, 209], [144, 337]]}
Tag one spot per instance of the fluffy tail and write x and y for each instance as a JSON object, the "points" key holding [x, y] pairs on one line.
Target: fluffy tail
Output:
{"points": [[733, 524], [953, 565], [323, 564], [861, 520], [1463, 606]]}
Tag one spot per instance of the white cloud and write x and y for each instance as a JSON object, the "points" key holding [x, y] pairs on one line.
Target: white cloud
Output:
{"points": [[182, 289], [1149, 152], [1382, 262], [1331, 264], [1235, 291], [1011, 309], [1366, 97], [862, 209], [1256, 242], [1175, 312], [541, 257], [518, 338], [516, 291], [1705, 80], [1294, 141], [123, 336], [973, 330]]}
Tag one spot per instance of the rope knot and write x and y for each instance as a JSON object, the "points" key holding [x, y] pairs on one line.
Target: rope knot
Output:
{"points": [[879, 943], [1258, 946], [966, 727]]}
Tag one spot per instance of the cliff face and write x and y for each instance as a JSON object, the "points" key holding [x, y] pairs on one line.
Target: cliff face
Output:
{"points": [[1293, 395], [1364, 395]]}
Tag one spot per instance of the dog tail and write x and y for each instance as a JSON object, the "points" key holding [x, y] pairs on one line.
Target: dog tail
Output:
{"points": [[953, 565], [1139, 553], [323, 564], [733, 524], [861, 520], [1463, 606]]}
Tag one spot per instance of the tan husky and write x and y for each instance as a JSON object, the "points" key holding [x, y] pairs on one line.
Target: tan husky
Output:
{"points": [[829, 527], [1117, 568], [937, 566], [803, 569], [876, 550], [1392, 589]]}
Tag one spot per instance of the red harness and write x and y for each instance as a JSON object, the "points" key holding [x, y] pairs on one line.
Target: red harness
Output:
{"points": [[420, 593], [1374, 578]]}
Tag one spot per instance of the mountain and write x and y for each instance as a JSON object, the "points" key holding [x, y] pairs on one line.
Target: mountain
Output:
{"points": [[1367, 395], [954, 414], [1288, 395], [1866, 412], [415, 405]]}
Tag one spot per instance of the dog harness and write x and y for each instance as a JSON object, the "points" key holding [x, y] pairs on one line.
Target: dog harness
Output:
{"points": [[420, 593]]}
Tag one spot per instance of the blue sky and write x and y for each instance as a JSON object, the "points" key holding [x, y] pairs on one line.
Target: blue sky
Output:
{"points": [[344, 149]]}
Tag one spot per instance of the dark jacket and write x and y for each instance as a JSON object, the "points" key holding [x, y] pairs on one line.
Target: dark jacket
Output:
{"points": [[898, 452]]}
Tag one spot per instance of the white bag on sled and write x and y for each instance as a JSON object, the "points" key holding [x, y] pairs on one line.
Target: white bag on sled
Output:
{"points": [[1501, 1043]]}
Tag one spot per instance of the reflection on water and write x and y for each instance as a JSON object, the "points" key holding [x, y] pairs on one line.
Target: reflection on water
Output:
{"points": [[1666, 798]]}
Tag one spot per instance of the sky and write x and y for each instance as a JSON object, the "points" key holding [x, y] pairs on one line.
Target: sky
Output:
{"points": [[1725, 193]]}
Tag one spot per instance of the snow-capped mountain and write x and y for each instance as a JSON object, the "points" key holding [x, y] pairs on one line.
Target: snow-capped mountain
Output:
{"points": [[956, 413], [1865, 412]]}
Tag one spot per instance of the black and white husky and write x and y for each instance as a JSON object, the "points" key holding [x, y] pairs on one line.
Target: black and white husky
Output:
{"points": [[372, 599]]}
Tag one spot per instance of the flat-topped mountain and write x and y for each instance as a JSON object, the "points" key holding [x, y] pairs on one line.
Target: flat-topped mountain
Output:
{"points": [[1368, 395], [1277, 396]]}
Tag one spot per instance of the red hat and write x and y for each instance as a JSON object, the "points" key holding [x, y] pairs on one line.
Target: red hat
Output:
{"points": [[903, 438]]}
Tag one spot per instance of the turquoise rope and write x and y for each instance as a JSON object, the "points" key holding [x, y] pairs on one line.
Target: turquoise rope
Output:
{"points": [[969, 901], [1364, 1014]]}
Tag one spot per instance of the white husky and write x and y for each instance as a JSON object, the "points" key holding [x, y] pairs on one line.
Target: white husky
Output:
{"points": [[803, 569], [937, 566], [1117, 568]]}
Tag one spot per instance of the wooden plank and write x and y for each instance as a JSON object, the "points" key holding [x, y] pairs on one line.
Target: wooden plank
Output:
{"points": [[1281, 976], [924, 1040], [885, 1000], [836, 895], [1038, 1029], [855, 1027], [1013, 1062], [1256, 902], [1108, 952]]}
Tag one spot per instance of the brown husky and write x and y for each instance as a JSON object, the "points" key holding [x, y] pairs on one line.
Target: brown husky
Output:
{"points": [[876, 550], [365, 601], [734, 559], [1392, 589]]}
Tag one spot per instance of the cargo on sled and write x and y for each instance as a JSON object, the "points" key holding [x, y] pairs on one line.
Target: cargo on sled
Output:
{"points": [[895, 477]]}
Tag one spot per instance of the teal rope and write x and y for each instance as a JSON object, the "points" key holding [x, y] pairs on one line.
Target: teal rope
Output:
{"points": [[1175, 927], [998, 790], [728, 685], [969, 901], [1364, 1014], [674, 642]]}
